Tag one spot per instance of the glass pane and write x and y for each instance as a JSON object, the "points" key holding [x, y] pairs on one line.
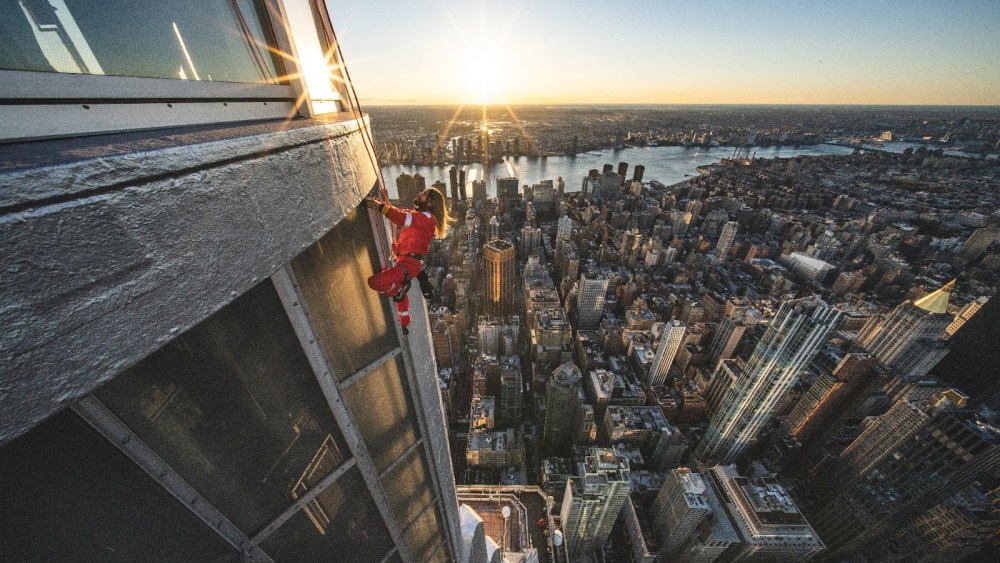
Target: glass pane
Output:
{"points": [[67, 494], [408, 488], [422, 538], [212, 40], [352, 321], [233, 406], [438, 554], [341, 524], [381, 406]]}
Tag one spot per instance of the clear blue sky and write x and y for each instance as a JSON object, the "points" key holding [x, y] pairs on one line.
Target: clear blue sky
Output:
{"points": [[662, 51]]}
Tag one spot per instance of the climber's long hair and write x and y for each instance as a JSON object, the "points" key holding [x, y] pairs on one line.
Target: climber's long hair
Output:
{"points": [[439, 209]]}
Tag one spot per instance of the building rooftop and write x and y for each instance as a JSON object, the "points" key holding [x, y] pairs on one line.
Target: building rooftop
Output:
{"points": [[498, 441], [499, 245], [936, 301], [639, 418]]}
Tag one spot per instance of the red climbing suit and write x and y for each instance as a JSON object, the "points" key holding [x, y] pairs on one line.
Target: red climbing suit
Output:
{"points": [[413, 243]]}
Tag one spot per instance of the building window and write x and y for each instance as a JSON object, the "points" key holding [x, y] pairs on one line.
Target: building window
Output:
{"points": [[212, 41], [342, 523], [74, 67], [407, 488], [353, 323], [383, 409], [70, 495], [423, 537], [233, 406]]}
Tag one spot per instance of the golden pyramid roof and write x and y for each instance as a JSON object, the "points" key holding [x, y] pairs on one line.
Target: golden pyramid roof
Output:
{"points": [[936, 301]]}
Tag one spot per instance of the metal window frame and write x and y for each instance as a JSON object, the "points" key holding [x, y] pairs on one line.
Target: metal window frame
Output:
{"points": [[432, 505], [291, 297], [25, 87], [424, 392], [41, 105], [94, 413]]}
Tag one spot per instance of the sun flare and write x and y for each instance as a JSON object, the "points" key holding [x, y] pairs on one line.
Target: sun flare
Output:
{"points": [[481, 78]]}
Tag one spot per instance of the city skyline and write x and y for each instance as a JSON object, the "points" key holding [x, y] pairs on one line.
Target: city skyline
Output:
{"points": [[854, 53], [688, 333]]}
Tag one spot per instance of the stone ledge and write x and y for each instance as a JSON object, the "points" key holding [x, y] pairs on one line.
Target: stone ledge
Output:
{"points": [[113, 256]]}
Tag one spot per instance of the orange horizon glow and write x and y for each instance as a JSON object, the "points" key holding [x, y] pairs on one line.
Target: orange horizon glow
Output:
{"points": [[520, 53]]}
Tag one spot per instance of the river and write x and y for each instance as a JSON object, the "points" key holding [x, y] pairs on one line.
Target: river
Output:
{"points": [[668, 165]]}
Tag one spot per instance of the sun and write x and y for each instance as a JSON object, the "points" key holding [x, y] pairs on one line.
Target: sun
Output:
{"points": [[482, 77]]}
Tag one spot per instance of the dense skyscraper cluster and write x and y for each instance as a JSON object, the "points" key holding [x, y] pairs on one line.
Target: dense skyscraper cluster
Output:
{"points": [[711, 330]]}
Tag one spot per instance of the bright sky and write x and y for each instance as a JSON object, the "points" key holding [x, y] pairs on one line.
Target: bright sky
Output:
{"points": [[666, 51]]}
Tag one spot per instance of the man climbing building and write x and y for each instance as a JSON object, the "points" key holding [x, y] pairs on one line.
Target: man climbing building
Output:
{"points": [[418, 226]]}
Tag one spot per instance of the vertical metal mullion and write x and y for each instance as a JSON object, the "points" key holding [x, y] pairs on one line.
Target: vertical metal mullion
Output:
{"points": [[291, 299], [91, 410], [426, 396], [381, 229], [433, 441]]}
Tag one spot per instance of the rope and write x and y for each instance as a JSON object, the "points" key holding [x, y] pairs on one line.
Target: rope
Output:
{"points": [[331, 37]]}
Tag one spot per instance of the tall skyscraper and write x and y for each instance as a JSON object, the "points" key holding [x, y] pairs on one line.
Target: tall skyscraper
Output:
{"points": [[590, 300], [493, 228], [956, 529], [919, 453], [909, 339], [478, 193], [727, 337], [406, 189], [499, 277], [443, 188], [679, 507], [726, 239], [979, 241], [498, 336], [445, 335], [208, 377], [793, 337], [967, 312], [768, 521], [637, 172], [453, 184], [826, 396], [593, 500], [485, 140], [564, 228], [561, 395], [971, 364], [510, 390], [507, 187], [671, 338]]}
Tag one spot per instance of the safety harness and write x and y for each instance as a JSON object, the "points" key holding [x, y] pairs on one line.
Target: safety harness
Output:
{"points": [[407, 277]]}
